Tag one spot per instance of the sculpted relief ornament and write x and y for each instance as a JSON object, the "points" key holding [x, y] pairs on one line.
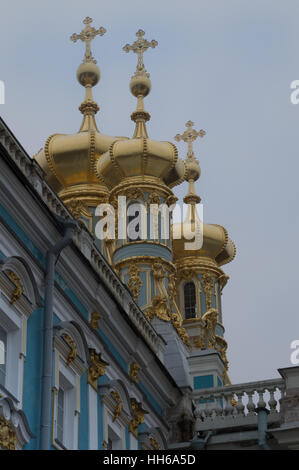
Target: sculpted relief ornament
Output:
{"points": [[96, 369], [135, 282], [18, 291], [138, 417], [8, 437], [134, 369], [94, 320], [118, 407], [207, 283], [73, 352], [208, 339]]}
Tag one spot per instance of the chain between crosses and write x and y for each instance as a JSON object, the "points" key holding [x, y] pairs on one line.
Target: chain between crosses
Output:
{"points": [[87, 35]]}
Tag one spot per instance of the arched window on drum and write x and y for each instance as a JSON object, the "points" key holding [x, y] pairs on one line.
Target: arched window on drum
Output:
{"points": [[189, 300]]}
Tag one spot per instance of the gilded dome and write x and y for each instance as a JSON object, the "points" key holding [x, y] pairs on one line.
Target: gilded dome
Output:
{"points": [[141, 157], [217, 246], [69, 160]]}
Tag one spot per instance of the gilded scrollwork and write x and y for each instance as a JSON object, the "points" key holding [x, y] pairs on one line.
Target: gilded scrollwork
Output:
{"points": [[134, 369], [8, 437], [171, 288], [159, 308], [135, 282], [18, 290], [177, 323], [118, 407], [154, 443], [207, 283], [138, 417], [96, 369], [94, 320], [78, 208], [154, 198], [73, 350]]}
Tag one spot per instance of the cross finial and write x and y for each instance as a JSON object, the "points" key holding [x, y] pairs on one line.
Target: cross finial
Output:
{"points": [[189, 136], [139, 47], [87, 35]]}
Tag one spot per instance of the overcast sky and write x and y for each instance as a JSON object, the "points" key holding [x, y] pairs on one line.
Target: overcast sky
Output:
{"points": [[227, 66]]}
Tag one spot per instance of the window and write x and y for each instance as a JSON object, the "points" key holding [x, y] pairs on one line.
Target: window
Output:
{"points": [[65, 404], [3, 360], [114, 439], [60, 414], [190, 300], [12, 352]]}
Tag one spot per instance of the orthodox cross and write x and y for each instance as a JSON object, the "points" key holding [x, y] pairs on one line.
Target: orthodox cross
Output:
{"points": [[139, 47], [189, 136], [87, 35]]}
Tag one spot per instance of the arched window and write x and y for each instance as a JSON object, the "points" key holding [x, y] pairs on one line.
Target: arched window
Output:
{"points": [[190, 300]]}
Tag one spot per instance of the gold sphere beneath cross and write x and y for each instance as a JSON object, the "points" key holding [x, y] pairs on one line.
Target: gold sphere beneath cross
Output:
{"points": [[140, 85], [88, 73]]}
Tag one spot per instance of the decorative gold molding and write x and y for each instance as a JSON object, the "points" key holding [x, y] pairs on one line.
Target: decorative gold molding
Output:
{"points": [[138, 417], [134, 369], [8, 436], [94, 320], [177, 323], [154, 198], [207, 283], [18, 291], [118, 407], [154, 443], [78, 208], [159, 308], [135, 282], [96, 369], [73, 352], [171, 288]]}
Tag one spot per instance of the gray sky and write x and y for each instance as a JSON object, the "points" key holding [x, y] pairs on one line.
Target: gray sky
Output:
{"points": [[228, 67]]}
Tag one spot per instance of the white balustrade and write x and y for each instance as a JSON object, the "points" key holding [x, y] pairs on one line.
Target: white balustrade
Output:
{"points": [[236, 405]]}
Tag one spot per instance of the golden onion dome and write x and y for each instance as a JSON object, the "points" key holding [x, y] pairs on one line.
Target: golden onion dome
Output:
{"points": [[140, 156], [69, 160], [215, 244]]}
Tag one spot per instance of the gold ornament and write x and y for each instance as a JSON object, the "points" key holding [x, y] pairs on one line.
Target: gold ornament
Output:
{"points": [[94, 320], [138, 417], [118, 407], [134, 369], [207, 283], [154, 443], [159, 308], [8, 437], [177, 323], [154, 198], [18, 291], [135, 282], [73, 352], [78, 208], [96, 369], [171, 288]]}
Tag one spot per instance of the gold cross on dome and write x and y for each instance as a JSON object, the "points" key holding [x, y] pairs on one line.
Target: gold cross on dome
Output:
{"points": [[87, 35], [189, 136], [139, 47]]}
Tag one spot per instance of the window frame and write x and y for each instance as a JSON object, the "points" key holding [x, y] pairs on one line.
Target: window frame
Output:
{"points": [[189, 283]]}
